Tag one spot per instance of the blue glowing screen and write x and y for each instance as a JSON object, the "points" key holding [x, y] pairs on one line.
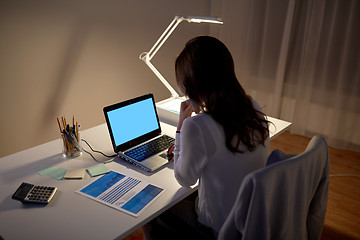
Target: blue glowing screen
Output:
{"points": [[132, 121]]}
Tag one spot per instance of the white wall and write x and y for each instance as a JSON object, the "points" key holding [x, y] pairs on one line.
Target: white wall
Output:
{"points": [[65, 58]]}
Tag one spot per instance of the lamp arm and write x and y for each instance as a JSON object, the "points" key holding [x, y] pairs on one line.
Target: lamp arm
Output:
{"points": [[168, 31], [162, 79], [147, 56]]}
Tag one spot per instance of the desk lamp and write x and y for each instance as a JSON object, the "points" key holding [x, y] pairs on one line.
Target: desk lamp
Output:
{"points": [[147, 56], [172, 104]]}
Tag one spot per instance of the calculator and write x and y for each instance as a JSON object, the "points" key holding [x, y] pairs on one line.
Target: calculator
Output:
{"points": [[29, 193]]}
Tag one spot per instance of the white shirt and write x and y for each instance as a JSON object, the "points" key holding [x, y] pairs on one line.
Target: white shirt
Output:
{"points": [[201, 154]]}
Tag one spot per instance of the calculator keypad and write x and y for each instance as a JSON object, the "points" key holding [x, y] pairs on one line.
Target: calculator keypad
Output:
{"points": [[40, 194]]}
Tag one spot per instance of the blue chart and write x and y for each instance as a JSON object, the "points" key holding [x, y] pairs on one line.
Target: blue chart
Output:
{"points": [[122, 192], [102, 184], [138, 202]]}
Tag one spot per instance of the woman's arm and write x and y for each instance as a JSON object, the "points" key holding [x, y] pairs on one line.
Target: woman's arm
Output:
{"points": [[190, 155], [186, 110]]}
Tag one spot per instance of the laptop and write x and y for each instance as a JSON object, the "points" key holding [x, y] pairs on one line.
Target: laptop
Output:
{"points": [[135, 132]]}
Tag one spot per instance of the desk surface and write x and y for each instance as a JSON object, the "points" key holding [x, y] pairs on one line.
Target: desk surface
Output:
{"points": [[70, 215]]}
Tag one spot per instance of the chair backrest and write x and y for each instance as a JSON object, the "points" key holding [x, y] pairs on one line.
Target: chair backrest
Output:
{"points": [[285, 200]]}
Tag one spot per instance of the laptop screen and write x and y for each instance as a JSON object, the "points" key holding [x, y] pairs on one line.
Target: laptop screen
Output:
{"points": [[132, 121]]}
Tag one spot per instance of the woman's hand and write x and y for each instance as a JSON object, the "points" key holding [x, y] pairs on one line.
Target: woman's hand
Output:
{"points": [[186, 110], [170, 153]]}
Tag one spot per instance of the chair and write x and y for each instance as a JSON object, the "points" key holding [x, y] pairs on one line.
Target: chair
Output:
{"points": [[285, 200]]}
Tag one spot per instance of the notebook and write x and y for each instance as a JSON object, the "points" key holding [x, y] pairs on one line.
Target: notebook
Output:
{"points": [[135, 132]]}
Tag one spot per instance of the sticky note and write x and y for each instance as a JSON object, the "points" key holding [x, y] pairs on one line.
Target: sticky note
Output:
{"points": [[97, 170], [74, 173], [58, 173], [54, 172], [46, 171]]}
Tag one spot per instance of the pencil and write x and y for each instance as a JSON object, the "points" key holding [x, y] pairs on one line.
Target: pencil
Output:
{"points": [[63, 123], [63, 137], [77, 132], [66, 146], [59, 124]]}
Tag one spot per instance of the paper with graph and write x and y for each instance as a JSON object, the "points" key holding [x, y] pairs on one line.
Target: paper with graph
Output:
{"points": [[125, 193]]}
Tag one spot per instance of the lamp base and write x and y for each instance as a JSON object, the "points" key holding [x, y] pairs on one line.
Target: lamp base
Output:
{"points": [[169, 110]]}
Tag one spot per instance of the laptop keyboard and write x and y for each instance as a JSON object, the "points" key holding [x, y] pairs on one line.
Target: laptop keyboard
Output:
{"points": [[150, 148]]}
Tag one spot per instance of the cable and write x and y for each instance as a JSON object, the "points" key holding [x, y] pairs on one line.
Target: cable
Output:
{"points": [[112, 156], [110, 160], [90, 155]]}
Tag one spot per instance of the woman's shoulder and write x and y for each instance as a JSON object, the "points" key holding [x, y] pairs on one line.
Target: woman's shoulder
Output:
{"points": [[201, 117], [201, 120]]}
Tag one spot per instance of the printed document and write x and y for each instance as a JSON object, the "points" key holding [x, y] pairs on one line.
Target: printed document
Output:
{"points": [[121, 192]]}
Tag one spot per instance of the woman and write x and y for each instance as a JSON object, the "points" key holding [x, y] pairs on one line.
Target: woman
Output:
{"points": [[225, 141]]}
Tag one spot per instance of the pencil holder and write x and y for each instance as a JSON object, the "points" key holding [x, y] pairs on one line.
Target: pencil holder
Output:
{"points": [[70, 138], [70, 145]]}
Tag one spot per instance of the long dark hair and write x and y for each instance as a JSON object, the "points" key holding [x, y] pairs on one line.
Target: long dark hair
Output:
{"points": [[205, 73]]}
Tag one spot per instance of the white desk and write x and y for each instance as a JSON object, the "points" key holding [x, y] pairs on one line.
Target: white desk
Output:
{"points": [[168, 111], [70, 215]]}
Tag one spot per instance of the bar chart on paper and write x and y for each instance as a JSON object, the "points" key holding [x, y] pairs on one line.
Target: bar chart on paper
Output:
{"points": [[121, 192]]}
